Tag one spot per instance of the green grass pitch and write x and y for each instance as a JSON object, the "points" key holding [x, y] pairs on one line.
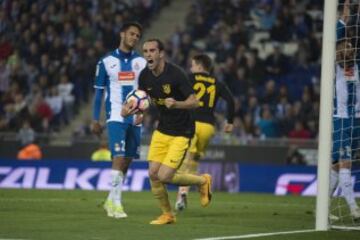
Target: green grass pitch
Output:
{"points": [[37, 215]]}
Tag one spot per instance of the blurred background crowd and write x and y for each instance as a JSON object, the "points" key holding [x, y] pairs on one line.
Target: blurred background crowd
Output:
{"points": [[48, 54], [266, 51]]}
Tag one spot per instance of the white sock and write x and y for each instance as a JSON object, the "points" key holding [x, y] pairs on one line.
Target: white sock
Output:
{"points": [[347, 187], [116, 186], [334, 177]]}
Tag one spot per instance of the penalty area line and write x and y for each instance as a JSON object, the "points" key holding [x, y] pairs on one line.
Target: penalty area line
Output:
{"points": [[12, 239], [255, 235]]}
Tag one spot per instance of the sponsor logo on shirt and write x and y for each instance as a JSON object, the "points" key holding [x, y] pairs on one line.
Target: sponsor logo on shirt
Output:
{"points": [[126, 76]]}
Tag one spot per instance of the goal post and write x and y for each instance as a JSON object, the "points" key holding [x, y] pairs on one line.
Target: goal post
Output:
{"points": [[326, 106]]}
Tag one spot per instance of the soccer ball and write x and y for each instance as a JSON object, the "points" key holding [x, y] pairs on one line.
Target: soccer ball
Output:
{"points": [[140, 98]]}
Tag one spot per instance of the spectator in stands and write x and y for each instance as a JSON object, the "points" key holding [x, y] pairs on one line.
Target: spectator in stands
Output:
{"points": [[250, 129], [4, 77], [282, 103], [280, 32], [102, 153], [300, 131], [255, 69], [6, 46], [266, 124], [55, 102], [302, 25], [65, 89], [264, 15], [270, 95], [240, 83], [29, 149], [26, 134], [306, 104], [286, 122], [277, 63], [253, 108]]}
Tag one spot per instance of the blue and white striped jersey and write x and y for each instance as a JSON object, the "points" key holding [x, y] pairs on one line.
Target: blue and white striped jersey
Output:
{"points": [[118, 73], [340, 29], [347, 92]]}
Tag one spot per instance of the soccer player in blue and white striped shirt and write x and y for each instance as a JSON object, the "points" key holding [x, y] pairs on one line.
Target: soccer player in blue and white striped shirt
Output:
{"points": [[116, 75], [346, 122]]}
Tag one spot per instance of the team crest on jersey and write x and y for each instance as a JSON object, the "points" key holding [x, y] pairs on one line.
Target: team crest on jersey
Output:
{"points": [[166, 88]]}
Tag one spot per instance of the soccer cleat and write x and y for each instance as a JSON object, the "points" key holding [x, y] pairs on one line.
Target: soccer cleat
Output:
{"points": [[355, 214], [118, 212], [114, 211], [181, 203], [165, 218], [205, 191], [108, 207]]}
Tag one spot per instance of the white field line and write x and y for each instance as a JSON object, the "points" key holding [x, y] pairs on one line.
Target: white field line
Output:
{"points": [[12, 199], [45, 200], [256, 235], [13, 239], [356, 228]]}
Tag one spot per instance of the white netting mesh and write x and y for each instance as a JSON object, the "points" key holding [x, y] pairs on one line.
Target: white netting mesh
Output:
{"points": [[346, 123]]}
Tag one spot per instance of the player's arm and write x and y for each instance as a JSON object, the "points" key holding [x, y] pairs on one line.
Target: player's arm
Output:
{"points": [[191, 102], [100, 81], [342, 21], [346, 12], [226, 94]]}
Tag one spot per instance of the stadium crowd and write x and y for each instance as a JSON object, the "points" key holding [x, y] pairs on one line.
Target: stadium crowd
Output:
{"points": [[48, 47], [277, 93], [48, 54]]}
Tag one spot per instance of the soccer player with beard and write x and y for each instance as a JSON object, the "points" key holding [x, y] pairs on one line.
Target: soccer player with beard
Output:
{"points": [[170, 90]]}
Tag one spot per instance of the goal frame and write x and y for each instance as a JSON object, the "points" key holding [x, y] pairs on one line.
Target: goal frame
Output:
{"points": [[326, 108]]}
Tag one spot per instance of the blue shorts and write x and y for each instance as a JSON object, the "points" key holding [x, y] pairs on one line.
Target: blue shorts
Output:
{"points": [[124, 139], [346, 133]]}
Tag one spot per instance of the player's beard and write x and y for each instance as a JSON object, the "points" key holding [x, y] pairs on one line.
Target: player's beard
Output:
{"points": [[129, 44], [151, 64]]}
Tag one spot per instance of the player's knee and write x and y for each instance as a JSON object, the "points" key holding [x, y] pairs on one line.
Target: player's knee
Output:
{"points": [[124, 165], [196, 157], [165, 177], [345, 164], [153, 175]]}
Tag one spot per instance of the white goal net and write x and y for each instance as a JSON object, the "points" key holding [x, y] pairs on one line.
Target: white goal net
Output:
{"points": [[344, 212]]}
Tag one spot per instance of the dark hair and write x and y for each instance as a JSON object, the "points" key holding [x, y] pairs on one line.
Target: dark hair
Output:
{"points": [[204, 60], [127, 25], [160, 44]]}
